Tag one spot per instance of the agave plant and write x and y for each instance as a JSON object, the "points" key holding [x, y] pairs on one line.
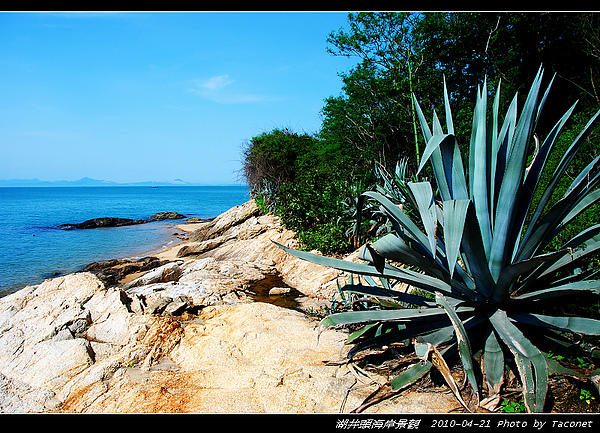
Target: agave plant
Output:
{"points": [[477, 248]]}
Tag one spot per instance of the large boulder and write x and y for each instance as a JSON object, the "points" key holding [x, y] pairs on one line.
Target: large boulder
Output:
{"points": [[163, 274], [231, 218]]}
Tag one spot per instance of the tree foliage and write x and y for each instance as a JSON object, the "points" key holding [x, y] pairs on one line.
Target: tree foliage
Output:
{"points": [[373, 123]]}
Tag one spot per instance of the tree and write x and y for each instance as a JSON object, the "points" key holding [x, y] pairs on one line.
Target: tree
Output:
{"points": [[374, 119]]}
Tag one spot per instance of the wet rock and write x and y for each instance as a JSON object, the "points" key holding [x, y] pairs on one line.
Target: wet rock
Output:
{"points": [[102, 222], [111, 272], [279, 291], [161, 216], [95, 223]]}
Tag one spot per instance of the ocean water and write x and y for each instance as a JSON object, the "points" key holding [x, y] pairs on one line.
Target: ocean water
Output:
{"points": [[33, 247]]}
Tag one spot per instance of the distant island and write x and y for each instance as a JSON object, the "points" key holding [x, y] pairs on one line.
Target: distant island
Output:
{"points": [[86, 181]]}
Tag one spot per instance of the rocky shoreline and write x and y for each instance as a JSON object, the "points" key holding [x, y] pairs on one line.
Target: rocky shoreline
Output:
{"points": [[182, 331], [120, 222]]}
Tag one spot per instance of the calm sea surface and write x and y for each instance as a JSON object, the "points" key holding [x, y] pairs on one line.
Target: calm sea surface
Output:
{"points": [[32, 247]]}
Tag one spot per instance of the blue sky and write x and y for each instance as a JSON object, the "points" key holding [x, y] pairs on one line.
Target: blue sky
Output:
{"points": [[131, 97]]}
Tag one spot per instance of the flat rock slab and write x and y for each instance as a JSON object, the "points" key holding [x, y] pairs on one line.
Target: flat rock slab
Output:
{"points": [[249, 358]]}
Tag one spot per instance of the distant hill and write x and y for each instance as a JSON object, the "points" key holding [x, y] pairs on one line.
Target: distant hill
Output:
{"points": [[86, 181]]}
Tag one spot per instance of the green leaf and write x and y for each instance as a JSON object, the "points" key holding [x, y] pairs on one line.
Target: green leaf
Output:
{"points": [[575, 201], [408, 314], [585, 243], [455, 215], [389, 294], [395, 249], [475, 260], [403, 223], [479, 156], [535, 171], [426, 204], [510, 188], [463, 341], [356, 335], [569, 289], [410, 277], [559, 173], [422, 121], [531, 363], [411, 375], [580, 325], [493, 364], [511, 274]]}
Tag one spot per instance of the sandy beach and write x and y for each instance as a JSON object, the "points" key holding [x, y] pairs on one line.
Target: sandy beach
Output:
{"points": [[171, 252]]}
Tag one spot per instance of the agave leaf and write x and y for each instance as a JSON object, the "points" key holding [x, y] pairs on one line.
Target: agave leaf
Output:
{"points": [[402, 222], [455, 215], [405, 333], [433, 144], [531, 363], [478, 169], [463, 341], [425, 351], [446, 160], [356, 335], [510, 188], [580, 325], [408, 314], [588, 201], [573, 202], [499, 156], [410, 277], [559, 172], [426, 204], [570, 289], [413, 278], [511, 273], [584, 244], [448, 111], [493, 364], [410, 375], [377, 259], [535, 171], [472, 246], [390, 294], [425, 130], [395, 249]]}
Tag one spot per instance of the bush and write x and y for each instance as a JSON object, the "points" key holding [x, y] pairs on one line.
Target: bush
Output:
{"points": [[288, 176]]}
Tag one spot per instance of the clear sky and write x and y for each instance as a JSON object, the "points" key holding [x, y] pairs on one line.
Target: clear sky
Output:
{"points": [[131, 97]]}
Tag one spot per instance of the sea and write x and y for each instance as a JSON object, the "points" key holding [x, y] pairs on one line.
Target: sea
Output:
{"points": [[33, 246]]}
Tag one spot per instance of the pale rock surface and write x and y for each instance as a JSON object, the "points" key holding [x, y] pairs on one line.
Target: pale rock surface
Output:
{"points": [[73, 345]]}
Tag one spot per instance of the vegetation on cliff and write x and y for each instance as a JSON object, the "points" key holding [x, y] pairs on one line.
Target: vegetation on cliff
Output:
{"points": [[312, 180]]}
